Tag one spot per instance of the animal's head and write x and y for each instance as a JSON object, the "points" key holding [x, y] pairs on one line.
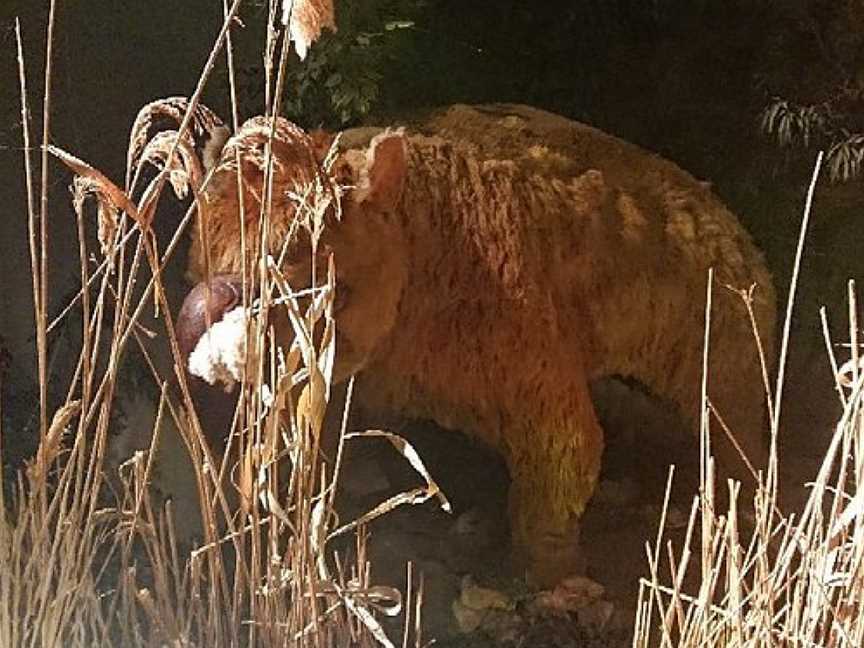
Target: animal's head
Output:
{"points": [[354, 201]]}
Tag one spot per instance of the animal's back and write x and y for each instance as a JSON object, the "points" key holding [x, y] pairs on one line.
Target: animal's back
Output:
{"points": [[614, 242], [622, 239]]}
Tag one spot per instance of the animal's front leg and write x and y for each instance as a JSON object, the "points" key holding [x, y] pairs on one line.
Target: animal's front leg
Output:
{"points": [[554, 462]]}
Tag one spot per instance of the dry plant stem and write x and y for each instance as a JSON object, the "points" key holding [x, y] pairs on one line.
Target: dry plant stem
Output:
{"points": [[853, 328], [734, 441], [408, 587], [349, 394], [86, 384], [760, 350], [854, 345], [232, 79], [253, 403], [654, 557], [28, 175], [705, 426], [240, 420], [829, 349], [269, 49], [787, 324], [39, 292], [42, 304]]}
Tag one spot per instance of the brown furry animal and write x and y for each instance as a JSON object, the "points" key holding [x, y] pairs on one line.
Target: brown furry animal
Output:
{"points": [[499, 258]]}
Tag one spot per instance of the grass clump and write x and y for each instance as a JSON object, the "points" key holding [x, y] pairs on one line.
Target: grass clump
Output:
{"points": [[798, 578], [89, 556]]}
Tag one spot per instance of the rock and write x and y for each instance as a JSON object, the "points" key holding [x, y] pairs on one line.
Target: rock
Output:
{"points": [[481, 606], [476, 597], [467, 619], [571, 595]]}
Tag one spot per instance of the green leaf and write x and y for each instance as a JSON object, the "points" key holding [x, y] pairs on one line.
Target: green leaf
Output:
{"points": [[398, 24]]}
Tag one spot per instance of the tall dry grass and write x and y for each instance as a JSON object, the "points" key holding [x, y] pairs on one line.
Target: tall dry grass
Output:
{"points": [[89, 558], [91, 561], [796, 579]]}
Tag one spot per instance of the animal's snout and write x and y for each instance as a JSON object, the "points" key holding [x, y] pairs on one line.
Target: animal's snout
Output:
{"points": [[206, 304]]}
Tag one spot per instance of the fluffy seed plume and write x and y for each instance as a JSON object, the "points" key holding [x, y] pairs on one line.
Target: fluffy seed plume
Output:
{"points": [[220, 354], [305, 20]]}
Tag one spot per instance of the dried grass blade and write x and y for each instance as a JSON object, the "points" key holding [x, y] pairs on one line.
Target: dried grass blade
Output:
{"points": [[407, 450], [49, 448], [116, 195]]}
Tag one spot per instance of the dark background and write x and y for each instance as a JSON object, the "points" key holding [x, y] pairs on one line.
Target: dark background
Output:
{"points": [[688, 79]]}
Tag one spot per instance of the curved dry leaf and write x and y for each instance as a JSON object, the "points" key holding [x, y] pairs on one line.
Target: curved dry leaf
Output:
{"points": [[306, 19], [407, 450], [853, 511], [414, 496], [354, 604], [106, 212], [318, 536], [111, 191]]}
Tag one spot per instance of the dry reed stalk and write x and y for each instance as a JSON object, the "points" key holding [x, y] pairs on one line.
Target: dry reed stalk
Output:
{"points": [[41, 305]]}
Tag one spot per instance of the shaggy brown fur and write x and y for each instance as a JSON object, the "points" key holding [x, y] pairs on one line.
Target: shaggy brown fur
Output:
{"points": [[498, 259]]}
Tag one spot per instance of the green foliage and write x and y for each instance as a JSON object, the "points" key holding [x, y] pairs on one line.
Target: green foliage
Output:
{"points": [[340, 81], [814, 83], [398, 55], [788, 123], [845, 157], [819, 125]]}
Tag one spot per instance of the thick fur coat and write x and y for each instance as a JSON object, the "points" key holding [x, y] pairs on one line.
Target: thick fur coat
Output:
{"points": [[496, 260]]}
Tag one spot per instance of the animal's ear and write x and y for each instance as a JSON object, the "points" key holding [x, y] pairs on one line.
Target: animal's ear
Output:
{"points": [[386, 168]]}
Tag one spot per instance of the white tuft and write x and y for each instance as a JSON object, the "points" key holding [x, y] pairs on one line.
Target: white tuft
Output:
{"points": [[220, 355]]}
